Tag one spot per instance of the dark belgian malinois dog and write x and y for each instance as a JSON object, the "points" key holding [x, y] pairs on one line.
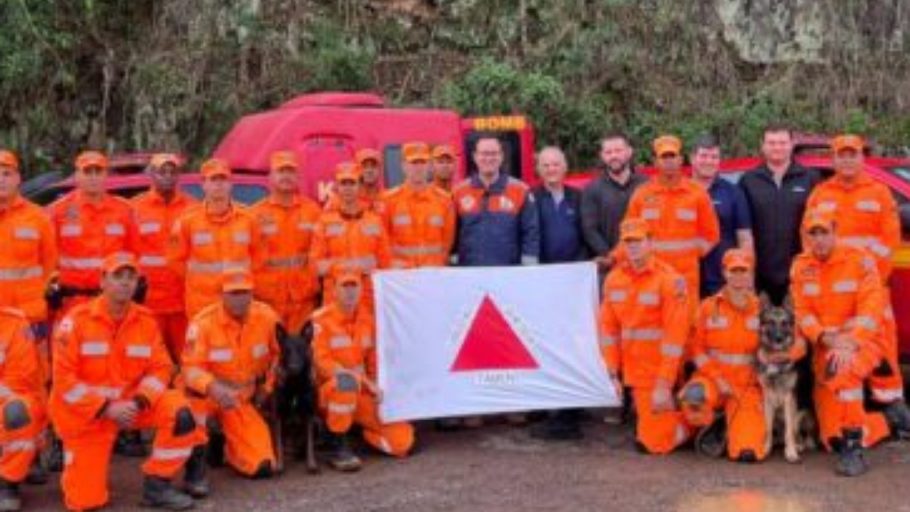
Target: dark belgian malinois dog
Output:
{"points": [[778, 376]]}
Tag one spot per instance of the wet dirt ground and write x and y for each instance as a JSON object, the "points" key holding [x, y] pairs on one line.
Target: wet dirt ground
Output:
{"points": [[500, 467]]}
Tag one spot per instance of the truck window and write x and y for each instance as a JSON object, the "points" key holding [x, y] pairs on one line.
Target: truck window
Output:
{"points": [[242, 193], [391, 158], [511, 144]]}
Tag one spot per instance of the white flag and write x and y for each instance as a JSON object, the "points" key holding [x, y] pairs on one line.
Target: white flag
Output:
{"points": [[461, 341]]}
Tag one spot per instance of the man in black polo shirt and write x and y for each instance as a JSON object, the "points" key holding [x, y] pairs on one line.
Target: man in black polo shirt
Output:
{"points": [[605, 200], [777, 192]]}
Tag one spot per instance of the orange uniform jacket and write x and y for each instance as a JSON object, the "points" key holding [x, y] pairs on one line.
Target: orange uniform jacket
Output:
{"points": [[644, 323], [421, 226], [87, 233], [286, 234], [203, 246], [842, 293], [357, 242], [97, 360], [682, 223], [726, 340], [19, 366], [866, 216], [29, 259], [343, 343], [154, 220], [242, 355]]}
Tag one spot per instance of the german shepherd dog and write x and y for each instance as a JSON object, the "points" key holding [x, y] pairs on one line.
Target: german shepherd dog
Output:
{"points": [[778, 377], [295, 406]]}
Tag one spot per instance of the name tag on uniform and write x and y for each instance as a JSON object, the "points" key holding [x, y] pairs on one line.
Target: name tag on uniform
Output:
{"points": [[149, 227], [114, 230], [94, 348], [25, 234], [260, 350]]}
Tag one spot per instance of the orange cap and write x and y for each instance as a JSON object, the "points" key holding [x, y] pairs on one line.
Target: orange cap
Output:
{"points": [[738, 258], [283, 159], [236, 280], [88, 159], [367, 154], [159, 160], [347, 171], [633, 229], [9, 159], [115, 261], [416, 152], [444, 150], [667, 144], [847, 141], [215, 167], [818, 218]]}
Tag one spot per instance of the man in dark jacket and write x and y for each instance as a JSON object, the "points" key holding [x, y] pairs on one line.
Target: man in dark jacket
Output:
{"points": [[605, 199], [561, 241], [777, 192]]}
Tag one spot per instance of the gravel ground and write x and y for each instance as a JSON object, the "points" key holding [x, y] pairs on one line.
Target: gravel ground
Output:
{"points": [[500, 467]]}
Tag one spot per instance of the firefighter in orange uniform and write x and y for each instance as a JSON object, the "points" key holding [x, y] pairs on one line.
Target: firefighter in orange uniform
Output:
{"points": [[22, 401], [350, 236], [229, 369], [725, 346], [30, 257], [644, 328], [679, 214], [419, 217], [286, 220], [344, 358], [111, 372], [216, 236], [838, 299], [867, 217], [156, 213], [369, 164], [445, 163], [90, 224]]}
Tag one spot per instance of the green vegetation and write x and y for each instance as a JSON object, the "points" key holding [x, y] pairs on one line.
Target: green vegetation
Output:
{"points": [[123, 75]]}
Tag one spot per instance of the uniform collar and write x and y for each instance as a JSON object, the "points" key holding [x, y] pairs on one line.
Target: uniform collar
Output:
{"points": [[498, 185], [98, 309], [860, 181], [295, 201], [226, 216]]}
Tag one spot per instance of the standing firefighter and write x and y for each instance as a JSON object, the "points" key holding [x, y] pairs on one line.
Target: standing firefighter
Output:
{"points": [[216, 236], [22, 402], [229, 369], [156, 213], [644, 329], [350, 236], [419, 216], [111, 372], [29, 256], [837, 294], [90, 224], [345, 363], [286, 221], [867, 218], [445, 163], [679, 214]]}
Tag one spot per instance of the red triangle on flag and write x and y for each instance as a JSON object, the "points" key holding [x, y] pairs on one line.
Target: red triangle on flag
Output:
{"points": [[491, 344]]}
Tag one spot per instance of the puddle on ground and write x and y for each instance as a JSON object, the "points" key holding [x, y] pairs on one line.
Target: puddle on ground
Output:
{"points": [[745, 501]]}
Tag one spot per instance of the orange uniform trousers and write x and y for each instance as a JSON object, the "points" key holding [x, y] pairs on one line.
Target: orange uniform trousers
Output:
{"points": [[19, 446], [341, 409], [248, 441], [658, 433], [87, 454], [743, 412]]}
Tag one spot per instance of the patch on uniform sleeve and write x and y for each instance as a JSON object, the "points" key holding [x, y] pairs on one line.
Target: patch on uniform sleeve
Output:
{"points": [[27, 333], [467, 203], [868, 264], [65, 326]]}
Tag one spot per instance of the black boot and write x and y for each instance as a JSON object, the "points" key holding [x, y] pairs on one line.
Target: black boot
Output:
{"points": [[9, 496], [129, 444], [898, 416], [195, 482], [160, 493], [342, 458], [55, 455], [712, 440], [559, 426], [851, 461], [37, 475]]}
